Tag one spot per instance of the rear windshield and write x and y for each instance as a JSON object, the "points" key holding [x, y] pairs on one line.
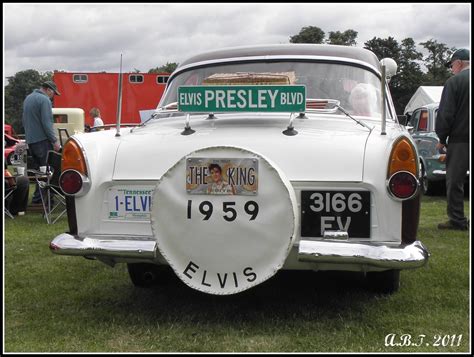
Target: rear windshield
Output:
{"points": [[357, 89]]}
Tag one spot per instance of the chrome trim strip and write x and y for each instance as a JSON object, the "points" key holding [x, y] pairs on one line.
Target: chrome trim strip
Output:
{"points": [[336, 235], [67, 244], [409, 256], [439, 172]]}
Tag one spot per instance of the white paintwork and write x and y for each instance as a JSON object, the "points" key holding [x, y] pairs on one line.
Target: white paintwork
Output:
{"points": [[302, 157]]}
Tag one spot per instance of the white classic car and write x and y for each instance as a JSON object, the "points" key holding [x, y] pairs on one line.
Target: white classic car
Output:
{"points": [[257, 159]]}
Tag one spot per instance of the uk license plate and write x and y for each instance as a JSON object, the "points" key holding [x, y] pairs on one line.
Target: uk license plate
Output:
{"points": [[335, 211], [130, 203]]}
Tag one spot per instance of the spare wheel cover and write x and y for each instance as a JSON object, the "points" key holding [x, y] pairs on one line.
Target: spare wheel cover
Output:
{"points": [[247, 236]]}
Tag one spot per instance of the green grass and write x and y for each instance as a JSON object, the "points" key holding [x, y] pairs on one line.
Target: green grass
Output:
{"points": [[70, 304]]}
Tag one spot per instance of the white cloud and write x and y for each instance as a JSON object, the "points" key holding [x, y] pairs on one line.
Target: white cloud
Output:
{"points": [[91, 37]]}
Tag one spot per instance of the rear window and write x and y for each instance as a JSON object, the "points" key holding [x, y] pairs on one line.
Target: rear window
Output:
{"points": [[60, 118]]}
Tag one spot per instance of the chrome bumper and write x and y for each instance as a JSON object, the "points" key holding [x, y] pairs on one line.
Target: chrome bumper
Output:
{"points": [[382, 256], [439, 172], [443, 173], [67, 244], [408, 256]]}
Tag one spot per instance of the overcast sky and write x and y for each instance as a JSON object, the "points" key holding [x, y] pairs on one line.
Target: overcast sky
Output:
{"points": [[91, 37]]}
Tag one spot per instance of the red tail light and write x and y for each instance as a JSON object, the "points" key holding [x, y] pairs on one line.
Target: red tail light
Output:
{"points": [[71, 182], [403, 185]]}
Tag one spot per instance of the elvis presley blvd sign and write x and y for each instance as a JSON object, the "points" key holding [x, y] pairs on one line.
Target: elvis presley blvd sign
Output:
{"points": [[242, 98]]}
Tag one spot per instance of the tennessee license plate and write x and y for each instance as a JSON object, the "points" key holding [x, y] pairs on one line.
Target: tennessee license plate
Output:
{"points": [[130, 203], [347, 211]]}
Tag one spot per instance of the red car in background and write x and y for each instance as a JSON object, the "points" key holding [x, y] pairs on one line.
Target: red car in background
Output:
{"points": [[10, 143]]}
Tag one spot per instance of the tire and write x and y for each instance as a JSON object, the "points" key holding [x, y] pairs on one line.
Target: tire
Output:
{"points": [[384, 282], [145, 275]]}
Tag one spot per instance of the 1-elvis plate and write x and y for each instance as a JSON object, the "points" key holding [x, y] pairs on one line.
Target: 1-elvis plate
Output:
{"points": [[130, 202]]}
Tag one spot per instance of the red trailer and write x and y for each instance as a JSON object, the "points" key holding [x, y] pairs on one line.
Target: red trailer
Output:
{"points": [[140, 91]]}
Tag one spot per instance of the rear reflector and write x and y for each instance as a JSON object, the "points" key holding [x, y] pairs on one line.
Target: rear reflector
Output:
{"points": [[70, 182], [403, 185]]}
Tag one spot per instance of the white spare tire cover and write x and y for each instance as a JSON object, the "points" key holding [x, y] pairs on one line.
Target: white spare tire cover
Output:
{"points": [[224, 243]]}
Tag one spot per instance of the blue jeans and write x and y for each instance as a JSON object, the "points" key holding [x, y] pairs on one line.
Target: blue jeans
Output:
{"points": [[39, 153]]}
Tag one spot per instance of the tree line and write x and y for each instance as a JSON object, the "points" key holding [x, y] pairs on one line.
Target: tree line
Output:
{"points": [[408, 57], [414, 69]]}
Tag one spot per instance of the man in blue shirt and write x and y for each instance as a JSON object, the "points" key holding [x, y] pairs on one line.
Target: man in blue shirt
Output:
{"points": [[38, 123]]}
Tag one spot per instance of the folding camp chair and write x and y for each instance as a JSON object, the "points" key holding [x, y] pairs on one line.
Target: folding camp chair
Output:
{"points": [[63, 135], [52, 197], [9, 189]]}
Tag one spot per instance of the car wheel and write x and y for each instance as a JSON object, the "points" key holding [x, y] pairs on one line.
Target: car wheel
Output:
{"points": [[384, 282], [146, 275]]}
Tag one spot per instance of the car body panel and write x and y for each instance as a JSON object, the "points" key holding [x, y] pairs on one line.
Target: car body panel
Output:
{"points": [[292, 156]]}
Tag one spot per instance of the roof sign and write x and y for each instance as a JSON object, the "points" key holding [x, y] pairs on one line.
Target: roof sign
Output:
{"points": [[242, 98]]}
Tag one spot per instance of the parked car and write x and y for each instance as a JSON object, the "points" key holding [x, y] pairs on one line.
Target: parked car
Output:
{"points": [[432, 161], [257, 159], [68, 121], [10, 144]]}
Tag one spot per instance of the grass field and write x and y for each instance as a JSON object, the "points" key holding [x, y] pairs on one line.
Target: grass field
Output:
{"points": [[70, 304]]}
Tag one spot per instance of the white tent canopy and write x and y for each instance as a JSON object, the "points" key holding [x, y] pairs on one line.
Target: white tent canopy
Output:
{"points": [[424, 95]]}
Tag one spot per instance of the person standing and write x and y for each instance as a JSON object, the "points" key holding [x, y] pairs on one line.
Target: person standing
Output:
{"points": [[97, 120], [453, 128], [38, 123]]}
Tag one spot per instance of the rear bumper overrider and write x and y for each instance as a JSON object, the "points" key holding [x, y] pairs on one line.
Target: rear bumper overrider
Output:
{"points": [[67, 244], [405, 256]]}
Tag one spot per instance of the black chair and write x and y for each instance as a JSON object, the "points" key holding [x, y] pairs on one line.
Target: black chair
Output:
{"points": [[52, 197], [63, 135], [10, 187]]}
